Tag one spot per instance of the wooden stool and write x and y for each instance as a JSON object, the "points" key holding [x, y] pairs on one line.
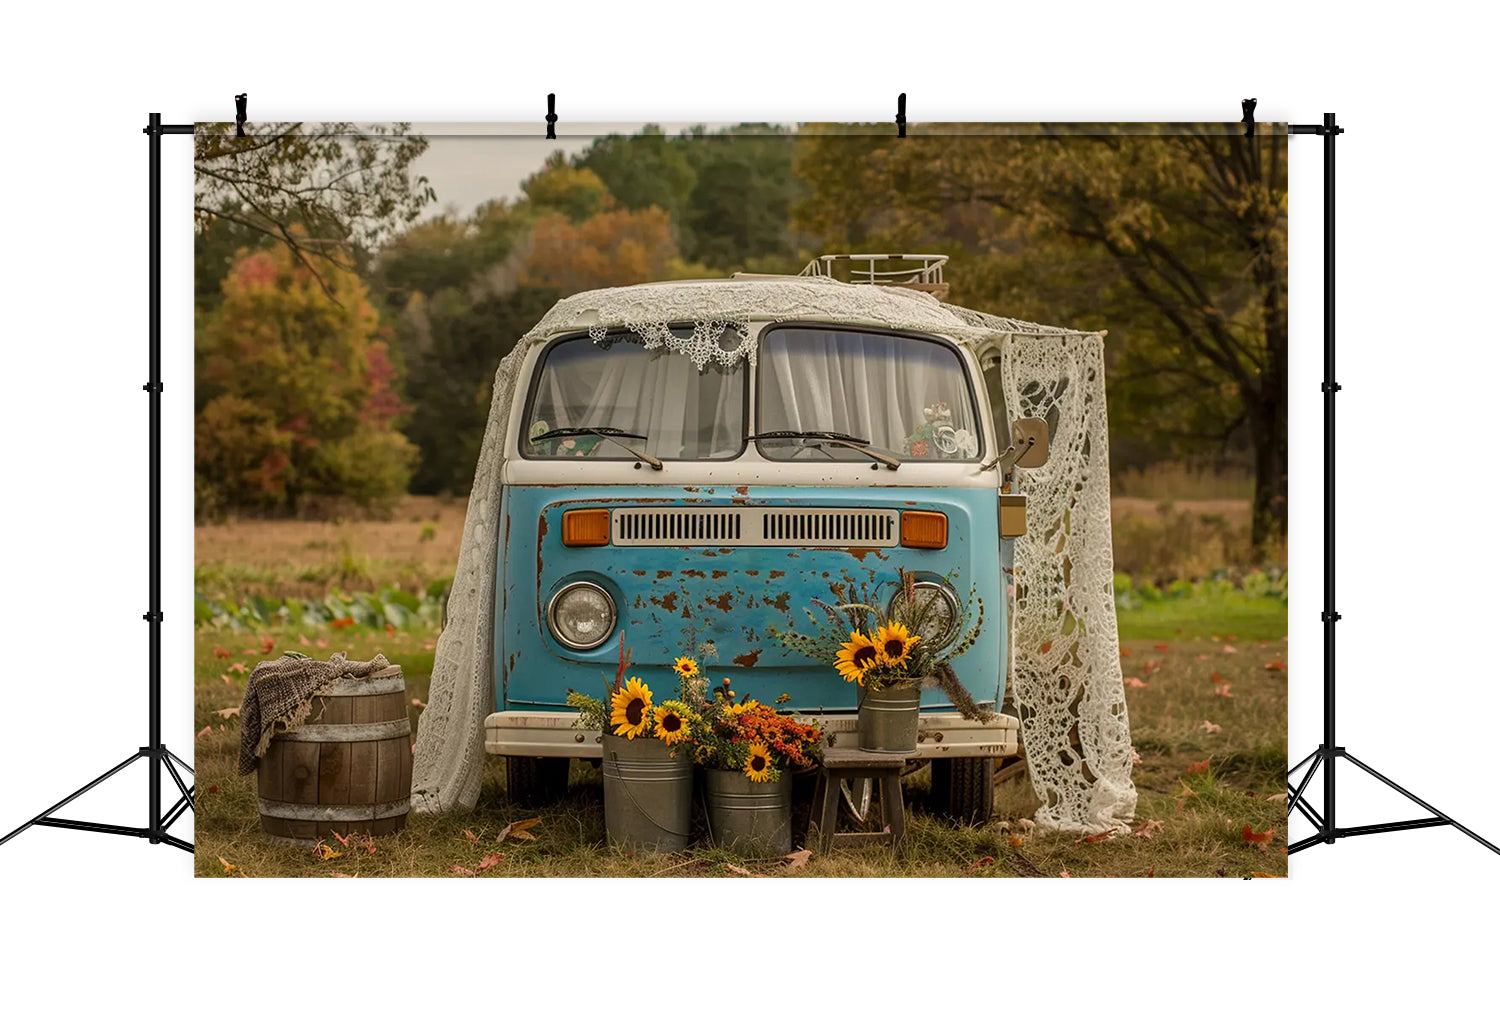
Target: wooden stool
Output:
{"points": [[840, 764]]}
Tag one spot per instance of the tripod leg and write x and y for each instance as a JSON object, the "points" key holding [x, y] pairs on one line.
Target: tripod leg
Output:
{"points": [[1422, 803], [75, 795], [187, 794], [1296, 797], [185, 766]]}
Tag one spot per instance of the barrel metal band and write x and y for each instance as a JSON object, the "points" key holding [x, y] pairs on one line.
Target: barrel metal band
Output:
{"points": [[333, 812], [356, 732], [372, 687]]}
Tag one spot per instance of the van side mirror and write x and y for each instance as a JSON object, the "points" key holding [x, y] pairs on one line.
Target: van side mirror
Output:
{"points": [[1029, 435]]}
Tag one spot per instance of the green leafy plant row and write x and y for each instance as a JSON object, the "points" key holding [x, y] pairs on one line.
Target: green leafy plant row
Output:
{"points": [[1254, 584], [389, 606]]}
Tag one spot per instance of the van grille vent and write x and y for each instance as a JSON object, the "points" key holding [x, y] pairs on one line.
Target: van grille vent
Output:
{"points": [[745, 527]]}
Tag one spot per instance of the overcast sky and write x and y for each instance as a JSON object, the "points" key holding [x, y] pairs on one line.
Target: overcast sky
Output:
{"points": [[468, 169]]}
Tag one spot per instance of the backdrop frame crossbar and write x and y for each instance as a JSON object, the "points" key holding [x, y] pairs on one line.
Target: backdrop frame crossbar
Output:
{"points": [[1328, 754], [155, 753]]}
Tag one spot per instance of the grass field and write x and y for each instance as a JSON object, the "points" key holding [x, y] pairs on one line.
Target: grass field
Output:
{"points": [[1199, 786]]}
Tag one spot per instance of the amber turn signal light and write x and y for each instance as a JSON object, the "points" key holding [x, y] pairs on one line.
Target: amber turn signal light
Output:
{"points": [[924, 530], [586, 527]]}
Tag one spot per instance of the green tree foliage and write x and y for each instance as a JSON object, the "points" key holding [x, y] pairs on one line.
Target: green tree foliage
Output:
{"points": [[728, 193], [576, 193], [1180, 240], [298, 395]]}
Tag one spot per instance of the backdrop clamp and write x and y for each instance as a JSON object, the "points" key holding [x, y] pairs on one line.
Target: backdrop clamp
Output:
{"points": [[901, 116], [239, 114], [1247, 115], [551, 115]]}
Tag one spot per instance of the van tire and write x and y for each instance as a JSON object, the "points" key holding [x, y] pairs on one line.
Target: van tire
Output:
{"points": [[963, 788], [536, 781]]}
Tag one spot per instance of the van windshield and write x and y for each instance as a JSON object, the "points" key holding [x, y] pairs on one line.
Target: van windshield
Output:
{"points": [[677, 410], [907, 395]]}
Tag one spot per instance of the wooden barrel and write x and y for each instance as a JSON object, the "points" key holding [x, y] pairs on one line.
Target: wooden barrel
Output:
{"points": [[347, 769]]}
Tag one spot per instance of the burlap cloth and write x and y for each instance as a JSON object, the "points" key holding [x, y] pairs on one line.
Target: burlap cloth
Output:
{"points": [[280, 693]]}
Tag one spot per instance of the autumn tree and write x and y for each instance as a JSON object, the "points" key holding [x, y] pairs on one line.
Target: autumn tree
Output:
{"points": [[298, 396], [1174, 242]]}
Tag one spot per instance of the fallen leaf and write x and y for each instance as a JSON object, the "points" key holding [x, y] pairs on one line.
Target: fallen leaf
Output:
{"points": [[214, 788], [741, 871], [489, 860], [267, 644], [1197, 766], [229, 868], [1275, 666], [1216, 677], [1201, 657], [1098, 837], [238, 666], [220, 652], [981, 862], [205, 731], [325, 852], [322, 642], [304, 641], [521, 829], [1211, 727], [340, 874], [1255, 838], [459, 869], [1064, 874], [471, 837], [1150, 872], [1124, 653], [1277, 798], [1148, 829], [1231, 649], [1186, 794], [1135, 683], [1162, 648], [225, 678], [1015, 840], [1231, 638], [1151, 665], [226, 712], [250, 650], [797, 859], [343, 840], [390, 628], [418, 703]]}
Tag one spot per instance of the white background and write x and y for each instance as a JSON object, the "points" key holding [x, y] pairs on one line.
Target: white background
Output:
{"points": [[1378, 928]]}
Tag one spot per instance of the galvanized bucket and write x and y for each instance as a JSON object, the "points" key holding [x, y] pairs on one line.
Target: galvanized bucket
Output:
{"points": [[648, 793], [752, 817], [888, 719]]}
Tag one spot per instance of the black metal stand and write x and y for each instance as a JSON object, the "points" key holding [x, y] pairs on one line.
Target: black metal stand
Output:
{"points": [[1328, 753], [156, 753]]}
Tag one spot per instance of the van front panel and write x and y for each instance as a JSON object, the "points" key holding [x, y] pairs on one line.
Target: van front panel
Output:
{"points": [[730, 577]]}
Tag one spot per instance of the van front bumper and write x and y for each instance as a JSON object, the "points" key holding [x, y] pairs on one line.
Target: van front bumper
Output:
{"points": [[939, 734]]}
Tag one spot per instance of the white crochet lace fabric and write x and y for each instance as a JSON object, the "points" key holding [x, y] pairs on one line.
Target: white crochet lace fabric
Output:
{"points": [[448, 764], [1066, 657], [1065, 645]]}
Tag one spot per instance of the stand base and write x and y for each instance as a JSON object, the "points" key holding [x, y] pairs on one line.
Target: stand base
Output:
{"points": [[1327, 832], [156, 832]]}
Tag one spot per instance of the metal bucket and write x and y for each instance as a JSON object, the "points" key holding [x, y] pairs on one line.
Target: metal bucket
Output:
{"points": [[752, 817], [648, 794], [888, 719]]}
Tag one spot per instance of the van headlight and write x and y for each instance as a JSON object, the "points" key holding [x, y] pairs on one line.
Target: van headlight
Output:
{"points": [[932, 614], [581, 616]]}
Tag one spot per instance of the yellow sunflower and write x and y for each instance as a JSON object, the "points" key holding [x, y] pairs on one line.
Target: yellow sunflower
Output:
{"points": [[687, 668], [630, 709], [858, 656], [895, 642], [740, 709], [758, 763], [671, 722]]}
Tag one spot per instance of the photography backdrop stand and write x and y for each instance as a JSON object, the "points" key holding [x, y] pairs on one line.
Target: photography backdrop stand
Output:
{"points": [[1329, 753], [156, 752]]}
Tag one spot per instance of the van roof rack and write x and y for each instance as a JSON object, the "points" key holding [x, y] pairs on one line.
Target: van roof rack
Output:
{"points": [[880, 268]]}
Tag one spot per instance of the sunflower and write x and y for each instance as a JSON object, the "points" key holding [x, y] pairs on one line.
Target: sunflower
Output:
{"points": [[895, 642], [858, 656], [758, 763], [740, 709], [672, 722], [630, 709], [687, 668]]}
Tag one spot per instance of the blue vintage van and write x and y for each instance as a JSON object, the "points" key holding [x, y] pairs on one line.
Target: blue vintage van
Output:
{"points": [[732, 451]]}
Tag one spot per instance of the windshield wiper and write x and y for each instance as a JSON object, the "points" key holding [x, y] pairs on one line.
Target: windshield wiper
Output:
{"points": [[859, 444], [609, 434]]}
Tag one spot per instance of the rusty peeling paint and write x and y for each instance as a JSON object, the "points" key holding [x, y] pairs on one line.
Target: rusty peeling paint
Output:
{"points": [[720, 574], [725, 551], [722, 602], [780, 601], [662, 574], [775, 574], [752, 572], [860, 553], [699, 573], [692, 490], [749, 659], [742, 489]]}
